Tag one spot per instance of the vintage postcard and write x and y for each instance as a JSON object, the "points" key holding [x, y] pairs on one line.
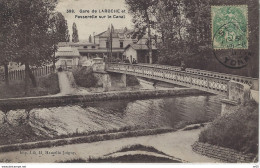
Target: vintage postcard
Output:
{"points": [[129, 81]]}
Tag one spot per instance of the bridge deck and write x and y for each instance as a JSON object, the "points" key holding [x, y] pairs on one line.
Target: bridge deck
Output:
{"points": [[212, 82]]}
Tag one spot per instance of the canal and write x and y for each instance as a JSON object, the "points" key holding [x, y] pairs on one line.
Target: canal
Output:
{"points": [[139, 114]]}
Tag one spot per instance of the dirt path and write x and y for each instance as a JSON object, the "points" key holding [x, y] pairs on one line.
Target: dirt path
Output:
{"points": [[65, 84], [68, 86], [176, 144]]}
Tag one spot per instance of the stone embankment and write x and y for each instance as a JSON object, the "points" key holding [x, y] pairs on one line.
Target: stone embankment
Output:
{"points": [[103, 96], [221, 153]]}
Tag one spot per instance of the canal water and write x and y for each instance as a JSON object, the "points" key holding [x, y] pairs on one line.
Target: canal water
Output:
{"points": [[107, 115]]}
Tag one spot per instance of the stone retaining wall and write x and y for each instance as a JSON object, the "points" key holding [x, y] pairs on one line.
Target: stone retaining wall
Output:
{"points": [[221, 153], [59, 100]]}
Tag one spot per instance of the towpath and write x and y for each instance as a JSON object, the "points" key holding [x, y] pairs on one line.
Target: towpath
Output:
{"points": [[176, 144]]}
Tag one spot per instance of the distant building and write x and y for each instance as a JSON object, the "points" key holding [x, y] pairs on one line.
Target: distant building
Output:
{"points": [[140, 53], [121, 38], [100, 46], [67, 57]]}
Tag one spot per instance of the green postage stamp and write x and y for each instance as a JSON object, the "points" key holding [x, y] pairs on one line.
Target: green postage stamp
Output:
{"points": [[229, 27]]}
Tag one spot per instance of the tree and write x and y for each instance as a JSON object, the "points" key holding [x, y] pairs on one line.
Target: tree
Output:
{"points": [[172, 26], [143, 10], [75, 36], [185, 31], [59, 31], [8, 42], [90, 39], [34, 35]]}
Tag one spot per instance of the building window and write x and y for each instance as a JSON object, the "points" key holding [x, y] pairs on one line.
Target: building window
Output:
{"points": [[107, 45], [85, 46], [121, 44], [93, 46]]}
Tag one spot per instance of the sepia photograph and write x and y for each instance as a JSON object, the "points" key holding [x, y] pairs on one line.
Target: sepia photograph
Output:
{"points": [[129, 81]]}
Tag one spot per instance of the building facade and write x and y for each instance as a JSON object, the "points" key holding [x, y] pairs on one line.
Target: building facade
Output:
{"points": [[140, 53], [101, 46], [68, 57]]}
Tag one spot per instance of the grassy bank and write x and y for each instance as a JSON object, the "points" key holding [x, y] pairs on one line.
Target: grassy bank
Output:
{"points": [[17, 134], [10, 134], [37, 141], [84, 77], [139, 147], [130, 158], [47, 85], [237, 131], [137, 158]]}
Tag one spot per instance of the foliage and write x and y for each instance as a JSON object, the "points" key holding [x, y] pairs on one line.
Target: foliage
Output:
{"points": [[8, 42], [79, 139], [78, 160], [75, 36], [59, 32], [139, 147], [33, 31], [50, 83], [142, 11], [47, 85], [29, 31], [84, 77], [238, 130], [127, 158], [32, 36], [184, 27], [59, 28], [131, 80], [135, 158]]}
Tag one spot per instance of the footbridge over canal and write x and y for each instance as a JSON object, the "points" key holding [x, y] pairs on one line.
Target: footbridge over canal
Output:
{"points": [[212, 82]]}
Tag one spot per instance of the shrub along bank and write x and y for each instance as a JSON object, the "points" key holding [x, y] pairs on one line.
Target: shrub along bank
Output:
{"points": [[237, 131], [84, 77], [131, 80]]}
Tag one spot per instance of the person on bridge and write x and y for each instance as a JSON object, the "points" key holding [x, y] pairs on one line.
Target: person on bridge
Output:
{"points": [[183, 66], [60, 69], [154, 84], [134, 61], [127, 60]]}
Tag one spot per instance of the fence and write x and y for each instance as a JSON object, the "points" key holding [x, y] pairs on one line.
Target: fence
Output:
{"points": [[20, 74]]}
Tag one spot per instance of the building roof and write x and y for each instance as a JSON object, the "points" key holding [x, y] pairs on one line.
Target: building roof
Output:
{"points": [[67, 52], [139, 46], [115, 33], [67, 44]]}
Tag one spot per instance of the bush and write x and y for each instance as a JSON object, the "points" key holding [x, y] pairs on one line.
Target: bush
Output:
{"points": [[49, 83], [77, 160], [135, 158], [237, 131], [84, 77], [131, 80]]}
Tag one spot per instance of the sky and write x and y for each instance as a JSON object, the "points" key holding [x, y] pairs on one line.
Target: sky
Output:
{"points": [[87, 26]]}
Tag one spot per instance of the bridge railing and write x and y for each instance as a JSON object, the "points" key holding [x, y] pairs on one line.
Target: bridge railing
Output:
{"points": [[205, 83], [252, 82], [174, 68]]}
